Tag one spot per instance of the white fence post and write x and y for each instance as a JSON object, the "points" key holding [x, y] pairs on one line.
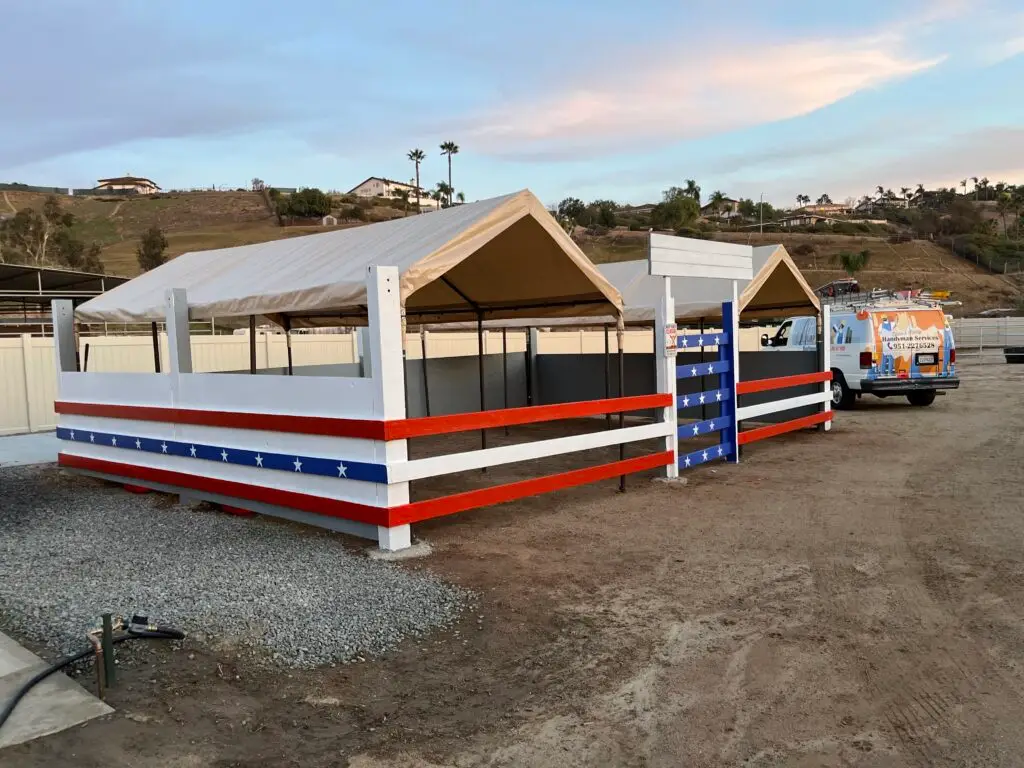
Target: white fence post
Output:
{"points": [[179, 341], [387, 362], [665, 367], [30, 382], [826, 356]]}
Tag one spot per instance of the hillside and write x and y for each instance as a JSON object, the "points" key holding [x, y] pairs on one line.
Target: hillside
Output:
{"points": [[191, 221], [897, 266], [203, 220]]}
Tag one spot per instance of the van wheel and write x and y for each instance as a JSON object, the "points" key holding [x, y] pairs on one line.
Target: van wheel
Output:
{"points": [[842, 396], [922, 398]]}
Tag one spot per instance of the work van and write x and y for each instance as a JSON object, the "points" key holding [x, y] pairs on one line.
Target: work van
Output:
{"points": [[882, 349]]}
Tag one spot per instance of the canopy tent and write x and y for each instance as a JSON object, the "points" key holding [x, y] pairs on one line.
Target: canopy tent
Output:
{"points": [[500, 258], [777, 290]]}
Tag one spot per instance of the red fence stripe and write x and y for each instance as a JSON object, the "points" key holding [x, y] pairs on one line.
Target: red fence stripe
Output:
{"points": [[464, 422], [483, 497], [318, 505], [781, 382], [369, 429], [304, 425], [365, 513], [753, 435]]}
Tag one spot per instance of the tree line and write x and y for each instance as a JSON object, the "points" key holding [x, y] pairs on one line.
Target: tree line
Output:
{"points": [[45, 238]]}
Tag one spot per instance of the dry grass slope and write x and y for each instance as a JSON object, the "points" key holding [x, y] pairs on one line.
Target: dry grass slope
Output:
{"points": [[195, 221], [896, 266]]}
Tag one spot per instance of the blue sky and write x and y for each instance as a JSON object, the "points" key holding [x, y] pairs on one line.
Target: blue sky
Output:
{"points": [[593, 99]]}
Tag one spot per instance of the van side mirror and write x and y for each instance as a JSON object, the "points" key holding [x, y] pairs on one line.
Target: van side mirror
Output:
{"points": [[765, 341]]}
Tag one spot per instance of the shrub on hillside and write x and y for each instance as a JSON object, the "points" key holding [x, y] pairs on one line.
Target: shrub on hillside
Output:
{"points": [[354, 213], [310, 203], [804, 249]]}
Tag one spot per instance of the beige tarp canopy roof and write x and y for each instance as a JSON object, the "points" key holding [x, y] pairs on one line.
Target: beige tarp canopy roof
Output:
{"points": [[777, 290], [503, 258]]}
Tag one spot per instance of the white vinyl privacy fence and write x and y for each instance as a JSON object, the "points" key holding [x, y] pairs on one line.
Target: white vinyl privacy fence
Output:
{"points": [[27, 378]]}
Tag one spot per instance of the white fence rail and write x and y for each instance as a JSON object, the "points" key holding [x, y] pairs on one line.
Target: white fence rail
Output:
{"points": [[28, 380]]}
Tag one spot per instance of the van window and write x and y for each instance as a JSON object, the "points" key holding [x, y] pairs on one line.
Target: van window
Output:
{"points": [[782, 336]]}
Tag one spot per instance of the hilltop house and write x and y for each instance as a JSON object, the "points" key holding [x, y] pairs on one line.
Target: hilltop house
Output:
{"points": [[829, 209], [377, 186], [133, 184], [726, 208]]}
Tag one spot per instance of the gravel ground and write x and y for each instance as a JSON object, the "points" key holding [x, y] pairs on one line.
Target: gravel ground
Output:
{"points": [[73, 548]]}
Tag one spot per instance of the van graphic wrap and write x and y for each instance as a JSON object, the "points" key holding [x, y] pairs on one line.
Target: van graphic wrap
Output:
{"points": [[902, 335]]}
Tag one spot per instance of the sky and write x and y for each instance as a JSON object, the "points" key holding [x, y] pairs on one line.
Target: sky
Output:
{"points": [[594, 99]]}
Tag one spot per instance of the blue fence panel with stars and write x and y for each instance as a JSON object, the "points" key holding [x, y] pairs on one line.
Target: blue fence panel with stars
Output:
{"points": [[714, 368], [697, 399], [701, 340], [704, 455], [284, 462], [703, 427]]}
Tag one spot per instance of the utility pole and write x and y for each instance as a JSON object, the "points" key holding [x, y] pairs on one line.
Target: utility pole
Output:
{"points": [[760, 210]]}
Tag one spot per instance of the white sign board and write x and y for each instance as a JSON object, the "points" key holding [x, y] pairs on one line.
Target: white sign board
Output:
{"points": [[671, 331], [672, 256]]}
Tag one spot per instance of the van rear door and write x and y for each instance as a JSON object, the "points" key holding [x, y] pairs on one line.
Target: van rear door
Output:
{"points": [[909, 343]]}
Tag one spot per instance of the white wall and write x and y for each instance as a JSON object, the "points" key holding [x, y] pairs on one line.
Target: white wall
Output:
{"points": [[28, 380]]}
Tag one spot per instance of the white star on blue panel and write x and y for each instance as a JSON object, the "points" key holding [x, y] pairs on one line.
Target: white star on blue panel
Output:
{"points": [[223, 455], [259, 460], [298, 464]]}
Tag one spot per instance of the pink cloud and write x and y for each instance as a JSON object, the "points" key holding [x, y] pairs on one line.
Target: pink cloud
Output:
{"points": [[670, 97]]}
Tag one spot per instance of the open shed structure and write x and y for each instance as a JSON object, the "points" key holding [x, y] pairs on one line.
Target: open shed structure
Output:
{"points": [[333, 451]]}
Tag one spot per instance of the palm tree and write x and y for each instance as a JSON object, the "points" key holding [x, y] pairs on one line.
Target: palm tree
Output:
{"points": [[692, 190], [825, 200], [920, 188], [444, 194], [905, 191], [417, 156], [880, 190], [963, 183], [1004, 205], [717, 197], [403, 195], [461, 197], [984, 185], [975, 180], [449, 148]]}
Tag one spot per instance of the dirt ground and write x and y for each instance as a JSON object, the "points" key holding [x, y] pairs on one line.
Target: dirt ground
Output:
{"points": [[835, 600]]}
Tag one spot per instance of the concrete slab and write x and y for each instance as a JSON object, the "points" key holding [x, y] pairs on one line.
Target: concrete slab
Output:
{"points": [[52, 706], [36, 448]]}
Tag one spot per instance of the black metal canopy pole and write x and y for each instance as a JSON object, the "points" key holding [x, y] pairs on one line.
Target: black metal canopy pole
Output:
{"points": [[252, 343], [607, 374], [504, 368], [287, 324], [480, 366], [620, 333], [156, 348], [426, 384]]}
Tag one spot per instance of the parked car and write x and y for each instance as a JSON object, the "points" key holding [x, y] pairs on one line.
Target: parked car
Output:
{"points": [[884, 349]]}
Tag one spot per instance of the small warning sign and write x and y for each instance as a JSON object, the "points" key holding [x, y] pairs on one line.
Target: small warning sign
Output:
{"points": [[670, 339]]}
